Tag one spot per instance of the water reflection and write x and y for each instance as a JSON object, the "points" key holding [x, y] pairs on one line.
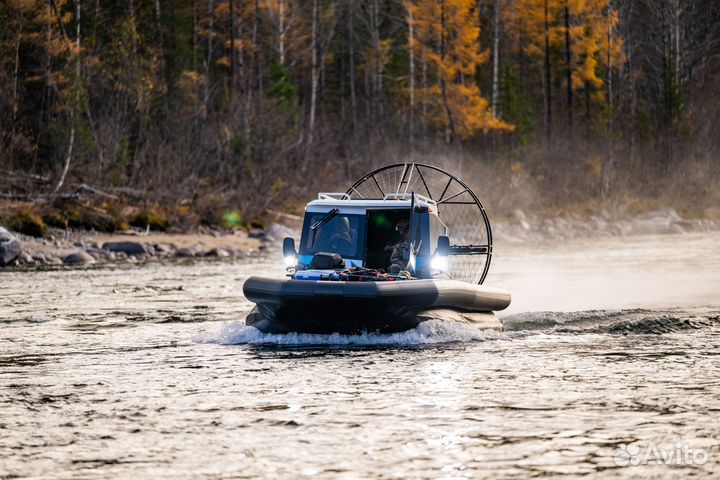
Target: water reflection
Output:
{"points": [[148, 371]]}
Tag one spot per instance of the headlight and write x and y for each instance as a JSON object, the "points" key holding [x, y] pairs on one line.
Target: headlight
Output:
{"points": [[439, 263], [290, 261]]}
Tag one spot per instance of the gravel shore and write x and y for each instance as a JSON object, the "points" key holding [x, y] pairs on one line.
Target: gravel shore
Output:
{"points": [[78, 248]]}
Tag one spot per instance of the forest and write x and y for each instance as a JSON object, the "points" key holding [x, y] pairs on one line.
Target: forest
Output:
{"points": [[250, 106]]}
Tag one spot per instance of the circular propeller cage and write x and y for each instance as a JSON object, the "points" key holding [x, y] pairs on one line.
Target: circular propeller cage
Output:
{"points": [[458, 208]]}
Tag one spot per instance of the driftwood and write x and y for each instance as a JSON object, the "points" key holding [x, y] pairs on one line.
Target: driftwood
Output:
{"points": [[85, 188], [36, 197], [81, 190], [28, 177], [129, 192]]}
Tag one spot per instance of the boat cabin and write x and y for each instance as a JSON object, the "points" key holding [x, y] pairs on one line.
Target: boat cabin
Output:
{"points": [[366, 232]]}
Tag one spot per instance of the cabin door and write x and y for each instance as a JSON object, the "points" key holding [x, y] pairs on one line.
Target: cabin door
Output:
{"points": [[384, 232]]}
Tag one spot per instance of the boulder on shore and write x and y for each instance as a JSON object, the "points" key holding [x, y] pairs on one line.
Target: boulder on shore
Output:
{"points": [[25, 259], [10, 247], [219, 252], [79, 257], [39, 257], [128, 248], [163, 249], [278, 232]]}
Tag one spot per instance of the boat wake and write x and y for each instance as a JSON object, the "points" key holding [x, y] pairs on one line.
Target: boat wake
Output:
{"points": [[623, 322], [427, 333], [612, 322]]}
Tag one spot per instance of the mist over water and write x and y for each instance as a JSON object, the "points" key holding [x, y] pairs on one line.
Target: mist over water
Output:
{"points": [[150, 371], [633, 272]]}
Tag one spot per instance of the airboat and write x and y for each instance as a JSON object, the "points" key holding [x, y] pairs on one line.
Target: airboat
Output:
{"points": [[406, 243]]}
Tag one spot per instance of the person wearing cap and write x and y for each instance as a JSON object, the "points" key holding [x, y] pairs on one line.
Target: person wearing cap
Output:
{"points": [[400, 253]]}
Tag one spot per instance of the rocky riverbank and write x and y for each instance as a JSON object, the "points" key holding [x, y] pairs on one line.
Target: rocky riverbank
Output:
{"points": [[67, 247], [78, 248]]}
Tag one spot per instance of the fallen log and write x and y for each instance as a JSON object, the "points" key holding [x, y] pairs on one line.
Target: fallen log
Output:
{"points": [[81, 190]]}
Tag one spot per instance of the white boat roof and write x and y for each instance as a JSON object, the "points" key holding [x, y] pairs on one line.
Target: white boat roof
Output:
{"points": [[346, 204]]}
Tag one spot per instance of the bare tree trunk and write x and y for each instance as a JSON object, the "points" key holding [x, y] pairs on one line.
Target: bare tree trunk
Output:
{"points": [[604, 181], [450, 125], [548, 90], [158, 26], [256, 36], [568, 73], [231, 53], [76, 103], [496, 57], [166, 59], [241, 50], [16, 75], [411, 54], [633, 99], [351, 41], [208, 58], [46, 79], [281, 26], [68, 157], [314, 76], [133, 27], [95, 24], [424, 82], [194, 35], [676, 29], [610, 61], [378, 60], [244, 83]]}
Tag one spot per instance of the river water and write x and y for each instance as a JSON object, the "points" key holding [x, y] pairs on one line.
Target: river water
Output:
{"points": [[609, 366]]}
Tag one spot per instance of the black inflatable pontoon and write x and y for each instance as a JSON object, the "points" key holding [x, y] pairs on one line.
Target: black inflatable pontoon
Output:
{"points": [[406, 243], [284, 306]]}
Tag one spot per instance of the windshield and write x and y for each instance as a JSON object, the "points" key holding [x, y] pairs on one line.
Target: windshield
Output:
{"points": [[340, 233]]}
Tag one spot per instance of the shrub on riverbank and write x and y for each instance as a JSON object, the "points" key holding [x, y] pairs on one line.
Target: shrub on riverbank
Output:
{"points": [[25, 220]]}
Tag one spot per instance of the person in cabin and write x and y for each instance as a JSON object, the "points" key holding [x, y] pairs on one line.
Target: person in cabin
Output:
{"points": [[341, 241], [400, 251], [342, 230]]}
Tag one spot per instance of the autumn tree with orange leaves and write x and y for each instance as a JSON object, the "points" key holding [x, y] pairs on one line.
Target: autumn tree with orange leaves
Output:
{"points": [[445, 37]]}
